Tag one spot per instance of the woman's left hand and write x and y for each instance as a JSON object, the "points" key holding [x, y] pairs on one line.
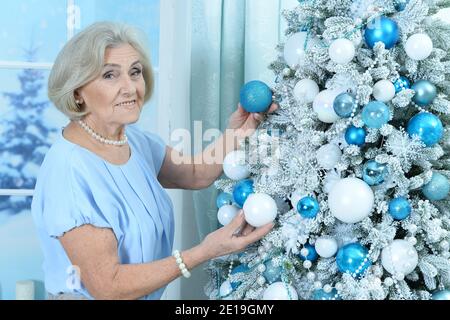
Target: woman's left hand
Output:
{"points": [[245, 123]]}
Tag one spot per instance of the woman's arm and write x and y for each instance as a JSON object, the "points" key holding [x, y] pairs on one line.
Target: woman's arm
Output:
{"points": [[200, 171], [94, 251]]}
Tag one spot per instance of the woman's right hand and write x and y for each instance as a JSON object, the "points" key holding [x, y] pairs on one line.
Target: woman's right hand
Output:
{"points": [[233, 237]]}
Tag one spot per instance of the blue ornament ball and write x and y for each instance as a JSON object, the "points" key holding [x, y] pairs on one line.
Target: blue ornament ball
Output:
{"points": [[308, 207], [441, 295], [427, 127], [240, 268], [272, 272], [224, 198], [356, 136], [344, 105], [375, 114], [242, 190], [320, 294], [374, 173], [382, 29], [312, 253], [438, 188], [351, 259], [401, 84], [256, 96], [399, 208], [425, 92]]}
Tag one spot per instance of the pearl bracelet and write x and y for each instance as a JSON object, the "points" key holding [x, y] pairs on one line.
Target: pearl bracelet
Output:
{"points": [[184, 271]]}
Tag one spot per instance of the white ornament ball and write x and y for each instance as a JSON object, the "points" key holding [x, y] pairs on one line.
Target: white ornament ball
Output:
{"points": [[327, 288], [311, 276], [261, 268], [261, 280], [225, 288], [234, 165], [419, 46], [341, 51], [294, 49], [307, 264], [399, 257], [328, 156], [279, 291], [296, 196], [227, 213], [388, 281], [306, 90], [326, 246], [323, 105], [384, 91], [351, 200], [259, 209]]}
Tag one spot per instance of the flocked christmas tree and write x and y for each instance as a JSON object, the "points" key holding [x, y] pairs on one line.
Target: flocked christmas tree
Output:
{"points": [[355, 164], [25, 138]]}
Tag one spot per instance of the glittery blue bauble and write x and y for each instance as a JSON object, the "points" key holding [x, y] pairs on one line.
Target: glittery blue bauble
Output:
{"points": [[242, 190], [344, 104], [425, 92], [312, 253], [224, 198], [350, 258], [399, 208], [354, 135], [400, 5], [427, 126], [240, 268], [319, 294], [441, 295], [374, 173], [401, 84], [256, 96], [272, 273], [375, 114], [308, 207], [438, 188], [381, 29]]}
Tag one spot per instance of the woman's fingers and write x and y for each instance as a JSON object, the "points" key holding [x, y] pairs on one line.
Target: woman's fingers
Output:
{"points": [[256, 234], [273, 107], [238, 223], [248, 228]]}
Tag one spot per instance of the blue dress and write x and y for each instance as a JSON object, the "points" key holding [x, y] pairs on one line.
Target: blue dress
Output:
{"points": [[76, 187]]}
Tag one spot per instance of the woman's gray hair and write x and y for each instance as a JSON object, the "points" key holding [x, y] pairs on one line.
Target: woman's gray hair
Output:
{"points": [[82, 60]]}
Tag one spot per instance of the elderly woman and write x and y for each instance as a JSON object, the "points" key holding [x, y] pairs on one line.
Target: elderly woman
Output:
{"points": [[99, 203]]}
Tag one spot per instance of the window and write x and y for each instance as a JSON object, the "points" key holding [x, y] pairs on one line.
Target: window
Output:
{"points": [[30, 41]]}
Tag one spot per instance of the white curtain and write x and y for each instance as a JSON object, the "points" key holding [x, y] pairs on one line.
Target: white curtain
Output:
{"points": [[208, 49]]}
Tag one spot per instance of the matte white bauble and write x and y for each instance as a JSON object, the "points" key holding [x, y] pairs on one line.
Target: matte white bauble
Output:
{"points": [[384, 91], [399, 257], [227, 213], [341, 51], [419, 46], [280, 291], [351, 200], [259, 209], [326, 246], [323, 105], [328, 156], [234, 165], [306, 90], [294, 49]]}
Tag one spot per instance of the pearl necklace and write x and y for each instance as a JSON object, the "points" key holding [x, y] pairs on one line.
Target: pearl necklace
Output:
{"points": [[98, 137]]}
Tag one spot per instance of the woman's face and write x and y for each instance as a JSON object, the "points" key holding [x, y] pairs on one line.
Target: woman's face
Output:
{"points": [[116, 97]]}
